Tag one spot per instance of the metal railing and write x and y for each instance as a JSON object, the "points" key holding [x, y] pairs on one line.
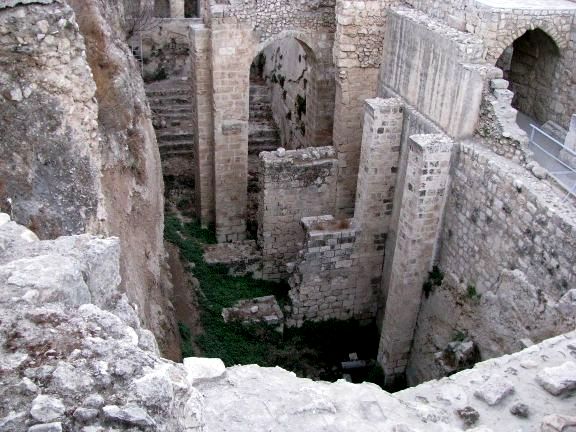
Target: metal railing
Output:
{"points": [[555, 157]]}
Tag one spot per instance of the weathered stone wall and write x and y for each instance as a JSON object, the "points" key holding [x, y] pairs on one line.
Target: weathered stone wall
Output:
{"points": [[508, 249], [270, 17], [165, 48], [323, 279], [499, 25], [49, 148], [293, 184], [423, 59], [287, 71]]}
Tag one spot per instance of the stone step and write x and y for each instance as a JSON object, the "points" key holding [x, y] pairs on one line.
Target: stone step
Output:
{"points": [[169, 100], [184, 146], [172, 109], [169, 138], [258, 145], [168, 93], [263, 130]]}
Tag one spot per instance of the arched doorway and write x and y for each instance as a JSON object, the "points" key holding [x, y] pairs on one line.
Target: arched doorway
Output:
{"points": [[530, 64], [284, 108]]}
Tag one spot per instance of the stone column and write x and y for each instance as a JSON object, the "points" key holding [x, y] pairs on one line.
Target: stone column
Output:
{"points": [[176, 8], [357, 54], [424, 192], [232, 47], [383, 119], [202, 122]]}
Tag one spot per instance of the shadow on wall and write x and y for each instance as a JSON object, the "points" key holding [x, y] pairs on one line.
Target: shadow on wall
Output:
{"points": [[530, 65]]}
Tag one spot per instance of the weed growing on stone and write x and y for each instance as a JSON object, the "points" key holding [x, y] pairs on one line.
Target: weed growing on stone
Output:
{"points": [[435, 278], [472, 293]]}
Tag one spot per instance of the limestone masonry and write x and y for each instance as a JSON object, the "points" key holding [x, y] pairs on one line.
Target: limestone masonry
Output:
{"points": [[408, 163]]}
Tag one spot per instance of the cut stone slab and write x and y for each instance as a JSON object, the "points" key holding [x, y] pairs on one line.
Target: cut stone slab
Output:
{"points": [[494, 391], [558, 423], [265, 310], [558, 380], [203, 369]]}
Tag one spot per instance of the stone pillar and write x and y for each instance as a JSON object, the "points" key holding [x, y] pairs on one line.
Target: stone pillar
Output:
{"points": [[424, 192], [232, 53], [380, 157], [176, 8], [357, 54], [569, 157], [202, 122]]}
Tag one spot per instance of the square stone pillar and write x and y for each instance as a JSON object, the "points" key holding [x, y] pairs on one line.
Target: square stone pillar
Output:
{"points": [[202, 123], [232, 47], [425, 189], [379, 160]]}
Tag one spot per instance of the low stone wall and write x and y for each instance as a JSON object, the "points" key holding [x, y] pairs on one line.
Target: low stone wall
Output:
{"points": [[293, 184], [323, 280]]}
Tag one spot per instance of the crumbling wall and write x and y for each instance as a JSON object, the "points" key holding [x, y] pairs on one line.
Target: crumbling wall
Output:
{"points": [[293, 184]]}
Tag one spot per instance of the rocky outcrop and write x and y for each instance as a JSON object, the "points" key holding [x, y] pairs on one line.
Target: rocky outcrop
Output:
{"points": [[49, 141], [78, 152], [73, 355]]}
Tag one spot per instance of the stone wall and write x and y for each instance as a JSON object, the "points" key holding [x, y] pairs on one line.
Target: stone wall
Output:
{"points": [[287, 70], [499, 25], [423, 59], [270, 17], [293, 184], [323, 279], [508, 249], [165, 49]]}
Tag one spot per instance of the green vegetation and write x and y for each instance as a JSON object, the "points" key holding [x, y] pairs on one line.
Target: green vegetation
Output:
{"points": [[314, 351], [472, 293], [435, 278]]}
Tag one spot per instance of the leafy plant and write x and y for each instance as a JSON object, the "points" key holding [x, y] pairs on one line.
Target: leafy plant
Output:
{"points": [[435, 279]]}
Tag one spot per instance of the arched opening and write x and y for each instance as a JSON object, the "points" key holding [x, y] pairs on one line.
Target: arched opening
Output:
{"points": [[281, 94], [530, 64]]}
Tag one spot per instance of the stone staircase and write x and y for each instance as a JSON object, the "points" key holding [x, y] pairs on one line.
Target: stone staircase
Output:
{"points": [[263, 134], [170, 101]]}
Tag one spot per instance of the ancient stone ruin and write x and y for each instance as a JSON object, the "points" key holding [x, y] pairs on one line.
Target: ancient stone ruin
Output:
{"points": [[407, 164]]}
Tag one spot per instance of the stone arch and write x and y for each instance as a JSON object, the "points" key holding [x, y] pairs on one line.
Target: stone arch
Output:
{"points": [[530, 65], [560, 39]]}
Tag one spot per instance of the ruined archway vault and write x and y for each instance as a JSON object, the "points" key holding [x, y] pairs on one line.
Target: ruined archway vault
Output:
{"points": [[229, 46]]}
